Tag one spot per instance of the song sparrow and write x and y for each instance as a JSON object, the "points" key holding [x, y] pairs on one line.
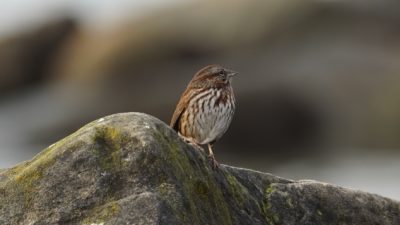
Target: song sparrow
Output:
{"points": [[206, 108]]}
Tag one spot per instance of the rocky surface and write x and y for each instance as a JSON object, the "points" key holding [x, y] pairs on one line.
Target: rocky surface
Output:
{"points": [[131, 168]]}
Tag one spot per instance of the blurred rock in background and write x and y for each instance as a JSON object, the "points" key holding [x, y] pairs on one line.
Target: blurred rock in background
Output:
{"points": [[25, 58], [318, 90]]}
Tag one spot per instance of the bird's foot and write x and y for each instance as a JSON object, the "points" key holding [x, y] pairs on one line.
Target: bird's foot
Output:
{"points": [[213, 162]]}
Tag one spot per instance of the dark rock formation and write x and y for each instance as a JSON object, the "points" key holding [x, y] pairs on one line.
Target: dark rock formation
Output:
{"points": [[132, 169]]}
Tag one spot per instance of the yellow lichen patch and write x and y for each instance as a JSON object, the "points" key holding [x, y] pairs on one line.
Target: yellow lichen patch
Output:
{"points": [[270, 189], [27, 174], [23, 179], [109, 136], [270, 216], [108, 148], [102, 214], [42, 160]]}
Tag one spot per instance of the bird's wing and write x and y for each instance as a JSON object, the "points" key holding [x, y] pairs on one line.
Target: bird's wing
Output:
{"points": [[177, 116], [180, 109], [182, 105]]}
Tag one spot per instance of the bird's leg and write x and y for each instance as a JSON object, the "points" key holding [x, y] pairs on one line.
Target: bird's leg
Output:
{"points": [[191, 142], [211, 157]]}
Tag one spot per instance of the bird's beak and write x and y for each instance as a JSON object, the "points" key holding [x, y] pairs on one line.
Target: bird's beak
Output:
{"points": [[231, 73]]}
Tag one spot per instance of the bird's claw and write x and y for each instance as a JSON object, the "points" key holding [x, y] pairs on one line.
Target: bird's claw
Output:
{"points": [[213, 161]]}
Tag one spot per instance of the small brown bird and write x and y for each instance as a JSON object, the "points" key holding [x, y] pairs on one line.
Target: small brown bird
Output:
{"points": [[206, 108]]}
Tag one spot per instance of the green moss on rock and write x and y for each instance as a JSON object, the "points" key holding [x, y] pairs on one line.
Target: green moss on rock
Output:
{"points": [[237, 190], [102, 214], [271, 217], [108, 142], [201, 194], [24, 178], [132, 169], [201, 189]]}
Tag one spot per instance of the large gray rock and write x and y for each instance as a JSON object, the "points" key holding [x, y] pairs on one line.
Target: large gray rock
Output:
{"points": [[132, 169]]}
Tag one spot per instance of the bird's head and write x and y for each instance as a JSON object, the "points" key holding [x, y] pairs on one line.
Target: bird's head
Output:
{"points": [[213, 75]]}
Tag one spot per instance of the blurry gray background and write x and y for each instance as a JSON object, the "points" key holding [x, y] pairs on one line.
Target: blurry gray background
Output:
{"points": [[318, 91]]}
